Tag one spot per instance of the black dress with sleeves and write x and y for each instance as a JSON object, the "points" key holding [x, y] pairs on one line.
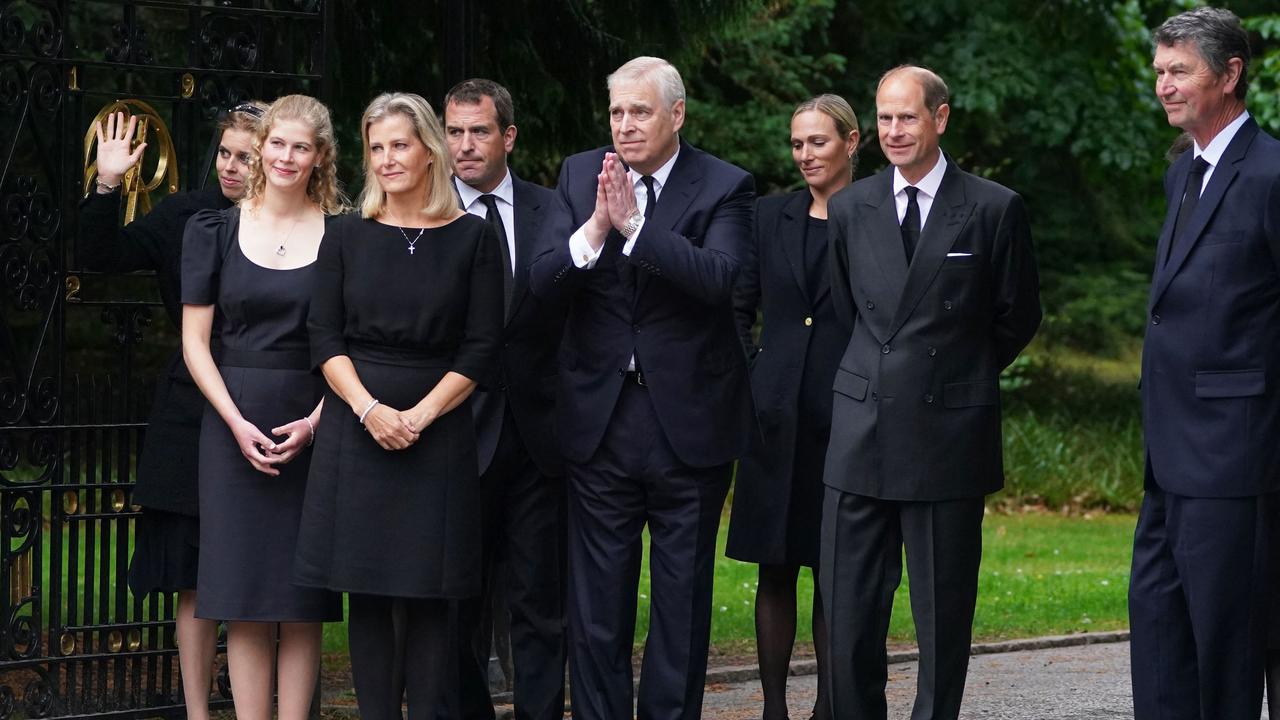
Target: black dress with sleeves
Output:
{"points": [[249, 520], [401, 523], [166, 535]]}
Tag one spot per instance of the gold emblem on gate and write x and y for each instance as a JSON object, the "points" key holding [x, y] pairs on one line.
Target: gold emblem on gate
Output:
{"points": [[150, 130]]}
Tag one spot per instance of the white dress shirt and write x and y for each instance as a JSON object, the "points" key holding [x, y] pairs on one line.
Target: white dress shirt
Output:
{"points": [[505, 194], [928, 190], [1212, 153], [584, 256]]}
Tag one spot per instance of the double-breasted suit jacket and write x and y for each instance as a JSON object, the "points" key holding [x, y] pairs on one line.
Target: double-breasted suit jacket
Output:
{"points": [[678, 320], [777, 499], [1211, 408], [531, 339], [916, 409]]}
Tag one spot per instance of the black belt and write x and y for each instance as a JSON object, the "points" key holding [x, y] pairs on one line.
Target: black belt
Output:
{"points": [[635, 376], [404, 357], [266, 359]]}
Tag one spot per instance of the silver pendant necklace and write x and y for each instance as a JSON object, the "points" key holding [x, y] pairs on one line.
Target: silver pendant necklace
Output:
{"points": [[413, 241], [280, 250]]}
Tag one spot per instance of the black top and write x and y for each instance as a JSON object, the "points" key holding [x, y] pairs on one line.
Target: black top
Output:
{"points": [[815, 251], [371, 292], [152, 242], [259, 308]]}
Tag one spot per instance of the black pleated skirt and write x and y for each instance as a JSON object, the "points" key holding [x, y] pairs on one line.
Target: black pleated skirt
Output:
{"points": [[400, 523]]}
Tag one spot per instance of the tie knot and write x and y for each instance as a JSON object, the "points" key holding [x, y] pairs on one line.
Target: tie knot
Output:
{"points": [[912, 191], [648, 182], [1200, 166], [490, 201]]}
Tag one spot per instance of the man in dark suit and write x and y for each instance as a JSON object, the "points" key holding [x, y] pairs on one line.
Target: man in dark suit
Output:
{"points": [[520, 466], [654, 403], [933, 269], [1202, 552]]}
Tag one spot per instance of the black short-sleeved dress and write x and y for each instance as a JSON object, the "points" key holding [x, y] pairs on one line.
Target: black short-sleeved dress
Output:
{"points": [[167, 533], [249, 520], [401, 523]]}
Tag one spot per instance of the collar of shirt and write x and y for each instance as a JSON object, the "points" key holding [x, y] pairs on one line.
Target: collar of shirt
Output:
{"points": [[928, 187], [659, 177], [469, 195], [1212, 153]]}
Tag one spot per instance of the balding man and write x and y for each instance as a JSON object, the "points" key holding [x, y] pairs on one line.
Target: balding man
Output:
{"points": [[932, 268], [1203, 551], [654, 404]]}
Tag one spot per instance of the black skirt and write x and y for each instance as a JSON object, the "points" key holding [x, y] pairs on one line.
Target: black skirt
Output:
{"points": [[400, 523], [166, 553]]}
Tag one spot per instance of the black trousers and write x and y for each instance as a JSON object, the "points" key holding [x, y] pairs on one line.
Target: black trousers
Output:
{"points": [[1199, 596], [860, 569], [634, 480], [399, 650], [524, 537]]}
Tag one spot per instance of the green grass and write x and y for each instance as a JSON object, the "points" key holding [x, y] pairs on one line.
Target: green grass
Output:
{"points": [[1041, 574]]}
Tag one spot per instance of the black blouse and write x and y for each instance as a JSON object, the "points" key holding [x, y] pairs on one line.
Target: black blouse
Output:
{"points": [[442, 300]]}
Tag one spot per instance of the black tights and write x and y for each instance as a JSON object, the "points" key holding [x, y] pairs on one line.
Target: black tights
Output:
{"points": [[776, 635], [398, 645]]}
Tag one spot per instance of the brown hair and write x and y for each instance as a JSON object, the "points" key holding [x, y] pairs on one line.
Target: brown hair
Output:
{"points": [[243, 117], [323, 188]]}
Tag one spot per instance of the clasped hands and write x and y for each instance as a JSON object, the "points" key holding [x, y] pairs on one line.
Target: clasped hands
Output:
{"points": [[397, 429], [615, 201], [262, 452]]}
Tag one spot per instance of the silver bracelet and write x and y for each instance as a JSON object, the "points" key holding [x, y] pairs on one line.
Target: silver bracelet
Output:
{"points": [[367, 408], [311, 425]]}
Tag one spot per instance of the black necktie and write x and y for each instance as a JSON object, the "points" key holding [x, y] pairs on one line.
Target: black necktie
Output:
{"points": [[495, 219], [911, 223], [1190, 198], [649, 192]]}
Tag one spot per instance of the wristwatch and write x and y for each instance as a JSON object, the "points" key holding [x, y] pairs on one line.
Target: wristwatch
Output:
{"points": [[632, 224]]}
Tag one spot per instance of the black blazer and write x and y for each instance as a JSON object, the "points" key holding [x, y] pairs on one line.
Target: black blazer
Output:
{"points": [[916, 413], [530, 342], [679, 321], [793, 366], [166, 474], [1211, 357]]}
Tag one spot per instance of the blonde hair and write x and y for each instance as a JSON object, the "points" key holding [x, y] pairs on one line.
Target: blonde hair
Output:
{"points": [[441, 202], [840, 112], [323, 188]]}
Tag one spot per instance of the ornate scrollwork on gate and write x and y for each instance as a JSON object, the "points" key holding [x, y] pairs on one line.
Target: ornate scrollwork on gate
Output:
{"points": [[153, 131]]}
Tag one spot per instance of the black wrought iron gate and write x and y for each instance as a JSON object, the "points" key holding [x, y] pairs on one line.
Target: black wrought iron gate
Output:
{"points": [[78, 350]]}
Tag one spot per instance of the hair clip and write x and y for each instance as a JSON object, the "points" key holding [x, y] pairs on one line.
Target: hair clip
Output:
{"points": [[248, 109]]}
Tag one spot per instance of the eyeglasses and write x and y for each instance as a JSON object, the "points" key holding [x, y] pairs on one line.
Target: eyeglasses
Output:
{"points": [[248, 109]]}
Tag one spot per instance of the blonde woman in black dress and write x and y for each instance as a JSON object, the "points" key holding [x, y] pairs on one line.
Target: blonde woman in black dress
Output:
{"points": [[777, 498], [250, 268], [405, 321]]}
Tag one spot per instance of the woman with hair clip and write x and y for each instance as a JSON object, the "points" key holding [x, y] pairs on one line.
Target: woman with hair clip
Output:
{"points": [[167, 533], [777, 498], [405, 321], [250, 269]]}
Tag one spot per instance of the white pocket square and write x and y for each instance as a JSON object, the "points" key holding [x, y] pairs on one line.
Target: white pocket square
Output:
{"points": [[959, 254]]}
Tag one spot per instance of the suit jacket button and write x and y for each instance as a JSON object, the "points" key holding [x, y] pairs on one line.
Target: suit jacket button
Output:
{"points": [[928, 398], [622, 372], [875, 397], [886, 349], [635, 329], [871, 305], [933, 351], [1155, 319], [946, 304], [808, 321]]}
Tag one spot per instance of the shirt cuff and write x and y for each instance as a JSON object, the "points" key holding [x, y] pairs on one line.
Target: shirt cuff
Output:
{"points": [[584, 256], [631, 243]]}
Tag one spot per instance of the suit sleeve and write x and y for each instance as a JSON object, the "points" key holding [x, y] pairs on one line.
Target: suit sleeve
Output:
{"points": [[706, 270], [841, 291], [552, 275], [746, 291], [1017, 283]]}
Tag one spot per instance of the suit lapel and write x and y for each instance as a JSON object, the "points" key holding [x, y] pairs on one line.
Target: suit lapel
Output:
{"points": [[885, 237], [673, 201], [527, 219], [946, 217], [790, 232], [1223, 175]]}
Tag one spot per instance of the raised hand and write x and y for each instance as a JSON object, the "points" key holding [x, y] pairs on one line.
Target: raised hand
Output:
{"points": [[255, 447], [620, 193], [299, 436], [597, 228], [114, 155], [389, 428]]}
